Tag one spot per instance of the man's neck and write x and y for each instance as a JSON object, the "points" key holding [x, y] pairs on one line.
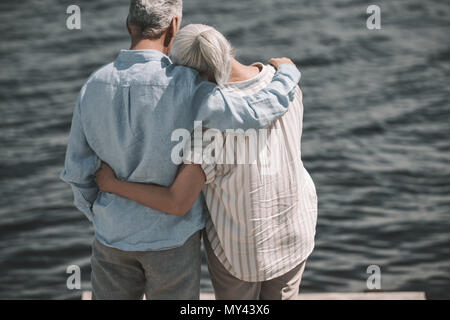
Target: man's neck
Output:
{"points": [[145, 44]]}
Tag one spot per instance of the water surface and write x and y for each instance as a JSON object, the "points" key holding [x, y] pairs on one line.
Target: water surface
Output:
{"points": [[376, 138]]}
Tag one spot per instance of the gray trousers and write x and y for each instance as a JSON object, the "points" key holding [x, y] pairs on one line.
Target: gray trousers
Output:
{"points": [[172, 274], [228, 287]]}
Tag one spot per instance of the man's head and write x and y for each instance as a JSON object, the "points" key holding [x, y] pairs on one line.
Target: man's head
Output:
{"points": [[151, 19]]}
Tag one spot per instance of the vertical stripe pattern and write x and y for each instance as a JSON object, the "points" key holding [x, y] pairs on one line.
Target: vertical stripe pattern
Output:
{"points": [[263, 215]]}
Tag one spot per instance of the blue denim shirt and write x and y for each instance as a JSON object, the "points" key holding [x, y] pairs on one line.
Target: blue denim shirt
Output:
{"points": [[125, 115]]}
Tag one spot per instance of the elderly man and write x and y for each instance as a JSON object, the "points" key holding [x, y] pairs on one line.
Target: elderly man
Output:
{"points": [[125, 115]]}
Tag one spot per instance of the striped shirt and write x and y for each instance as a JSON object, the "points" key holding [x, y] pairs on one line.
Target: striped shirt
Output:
{"points": [[263, 213]]}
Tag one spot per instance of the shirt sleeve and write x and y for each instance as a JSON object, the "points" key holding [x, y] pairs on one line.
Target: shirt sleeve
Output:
{"points": [[206, 152], [226, 110], [80, 166]]}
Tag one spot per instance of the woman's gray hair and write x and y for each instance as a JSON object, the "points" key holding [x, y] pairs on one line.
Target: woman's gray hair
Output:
{"points": [[153, 17], [205, 49]]}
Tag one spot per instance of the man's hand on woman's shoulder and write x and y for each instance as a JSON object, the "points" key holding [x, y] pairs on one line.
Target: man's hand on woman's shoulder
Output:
{"points": [[277, 62]]}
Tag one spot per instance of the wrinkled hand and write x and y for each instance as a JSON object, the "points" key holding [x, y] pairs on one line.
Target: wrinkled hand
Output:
{"points": [[276, 62], [105, 178]]}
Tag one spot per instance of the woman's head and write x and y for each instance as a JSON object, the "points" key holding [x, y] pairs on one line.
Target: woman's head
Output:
{"points": [[205, 49]]}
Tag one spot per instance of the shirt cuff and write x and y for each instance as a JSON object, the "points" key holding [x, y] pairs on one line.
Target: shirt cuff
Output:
{"points": [[291, 71], [82, 203], [210, 172], [208, 166]]}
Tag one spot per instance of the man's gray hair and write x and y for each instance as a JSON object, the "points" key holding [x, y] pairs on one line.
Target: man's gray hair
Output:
{"points": [[153, 17], [205, 49]]}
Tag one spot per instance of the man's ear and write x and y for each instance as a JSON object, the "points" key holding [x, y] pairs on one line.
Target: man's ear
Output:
{"points": [[128, 27], [171, 33], [175, 25]]}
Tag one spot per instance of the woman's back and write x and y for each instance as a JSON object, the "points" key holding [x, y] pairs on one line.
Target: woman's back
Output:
{"points": [[262, 202]]}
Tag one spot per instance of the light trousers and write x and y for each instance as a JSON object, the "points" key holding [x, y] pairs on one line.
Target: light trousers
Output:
{"points": [[172, 274], [228, 287]]}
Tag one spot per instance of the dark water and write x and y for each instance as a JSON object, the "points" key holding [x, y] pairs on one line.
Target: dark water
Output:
{"points": [[376, 137]]}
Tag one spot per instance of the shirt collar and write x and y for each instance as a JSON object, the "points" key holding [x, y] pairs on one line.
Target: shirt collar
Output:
{"points": [[141, 56], [263, 75]]}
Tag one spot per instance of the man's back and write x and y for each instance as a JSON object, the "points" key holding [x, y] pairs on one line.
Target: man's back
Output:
{"points": [[129, 110]]}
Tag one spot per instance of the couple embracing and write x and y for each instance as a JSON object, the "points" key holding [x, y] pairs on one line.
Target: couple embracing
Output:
{"points": [[249, 198]]}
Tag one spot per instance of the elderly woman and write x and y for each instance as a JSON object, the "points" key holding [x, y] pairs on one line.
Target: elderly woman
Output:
{"points": [[263, 212]]}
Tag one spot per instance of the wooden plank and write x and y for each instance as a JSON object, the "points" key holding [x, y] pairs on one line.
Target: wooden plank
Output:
{"points": [[363, 296], [86, 295], [406, 295]]}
